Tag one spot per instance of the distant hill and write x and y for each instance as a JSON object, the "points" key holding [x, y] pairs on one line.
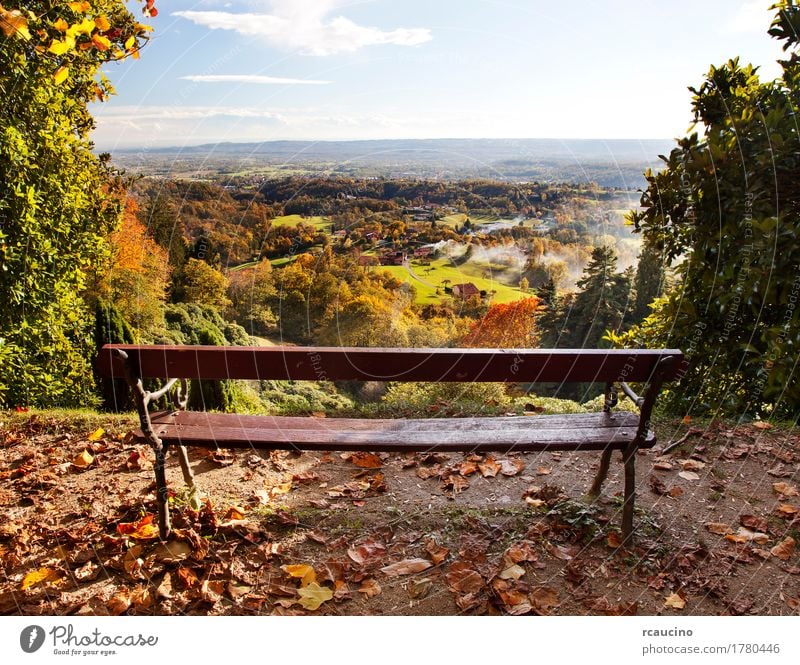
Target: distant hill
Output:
{"points": [[609, 163]]}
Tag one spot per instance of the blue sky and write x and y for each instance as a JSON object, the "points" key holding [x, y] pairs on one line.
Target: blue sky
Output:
{"points": [[251, 70]]}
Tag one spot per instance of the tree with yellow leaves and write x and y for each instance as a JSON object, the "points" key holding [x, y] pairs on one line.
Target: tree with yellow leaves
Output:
{"points": [[59, 202]]}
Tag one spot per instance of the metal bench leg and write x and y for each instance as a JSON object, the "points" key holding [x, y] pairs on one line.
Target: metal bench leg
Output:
{"points": [[630, 492], [162, 493], [602, 473], [183, 458]]}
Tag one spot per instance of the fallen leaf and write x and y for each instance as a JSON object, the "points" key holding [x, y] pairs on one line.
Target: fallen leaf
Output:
{"points": [[692, 465], [746, 535], [760, 424], [784, 549], [455, 482], [40, 576], [787, 509], [211, 591], [686, 420], [689, 475], [420, 588], [563, 552], [83, 461], [96, 435], [366, 551], [463, 578], [543, 471], [675, 491], [613, 540], [674, 601], [366, 460], [719, 528], [661, 466], [544, 598], [313, 595], [304, 572], [238, 591], [142, 597], [468, 468], [521, 552], [144, 529], [436, 552], [511, 467], [187, 577], [489, 468], [172, 551], [119, 603], [234, 513], [164, 589], [785, 489], [406, 567], [753, 522], [513, 572], [370, 588]]}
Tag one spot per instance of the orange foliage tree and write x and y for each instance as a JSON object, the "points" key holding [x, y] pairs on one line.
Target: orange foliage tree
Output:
{"points": [[137, 280], [510, 325]]}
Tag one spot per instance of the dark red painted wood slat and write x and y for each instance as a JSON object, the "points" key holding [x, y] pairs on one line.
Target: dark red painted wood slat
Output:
{"points": [[367, 364]]}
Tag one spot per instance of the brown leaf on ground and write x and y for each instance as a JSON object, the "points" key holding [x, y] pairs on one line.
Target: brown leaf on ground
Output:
{"points": [[467, 468], [657, 485], [367, 552], [463, 578], [744, 535], [784, 489], [613, 540], [513, 572], [719, 528], [119, 603], [455, 483], [370, 588], [692, 465], [436, 552], [544, 599], [760, 424], [220, 457], [138, 461], [406, 567], [366, 460], [674, 601], [42, 576], [514, 596], [604, 606], [787, 510], [187, 577], [83, 461], [211, 591], [511, 467], [425, 472], [753, 522], [689, 475], [522, 551], [489, 467], [662, 466], [784, 549], [563, 552]]}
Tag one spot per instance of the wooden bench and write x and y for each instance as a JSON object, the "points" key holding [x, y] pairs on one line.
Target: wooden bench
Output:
{"points": [[605, 432]]}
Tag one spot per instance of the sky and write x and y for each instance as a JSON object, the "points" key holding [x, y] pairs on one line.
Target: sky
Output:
{"points": [[261, 70]]}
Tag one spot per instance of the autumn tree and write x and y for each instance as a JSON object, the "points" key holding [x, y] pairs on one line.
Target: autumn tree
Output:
{"points": [[510, 325], [725, 213], [204, 285], [58, 200], [139, 273]]}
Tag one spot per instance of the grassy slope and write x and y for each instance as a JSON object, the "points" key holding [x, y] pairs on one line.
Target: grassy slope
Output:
{"points": [[322, 223]]}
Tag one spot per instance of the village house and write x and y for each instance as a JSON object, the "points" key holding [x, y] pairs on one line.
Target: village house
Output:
{"points": [[466, 290]]}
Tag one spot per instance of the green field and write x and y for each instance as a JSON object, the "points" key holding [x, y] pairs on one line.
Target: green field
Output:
{"points": [[322, 223], [442, 269]]}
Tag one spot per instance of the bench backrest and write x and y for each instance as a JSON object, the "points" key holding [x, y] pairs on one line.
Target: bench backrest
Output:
{"points": [[378, 364]]}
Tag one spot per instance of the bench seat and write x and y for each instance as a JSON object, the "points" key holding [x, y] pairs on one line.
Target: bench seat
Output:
{"points": [[586, 431]]}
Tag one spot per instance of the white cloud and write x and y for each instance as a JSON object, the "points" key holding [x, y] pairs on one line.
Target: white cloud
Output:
{"points": [[250, 78], [306, 26]]}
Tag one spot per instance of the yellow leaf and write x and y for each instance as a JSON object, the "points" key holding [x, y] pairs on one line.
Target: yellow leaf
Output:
{"points": [[14, 24], [85, 27], [135, 55], [85, 459], [129, 42], [61, 25], [102, 23], [145, 532], [41, 576], [141, 27], [102, 43], [305, 572], [674, 601], [97, 434], [313, 595], [82, 6]]}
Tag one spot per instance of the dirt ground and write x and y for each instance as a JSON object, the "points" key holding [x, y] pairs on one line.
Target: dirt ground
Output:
{"points": [[423, 534]]}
